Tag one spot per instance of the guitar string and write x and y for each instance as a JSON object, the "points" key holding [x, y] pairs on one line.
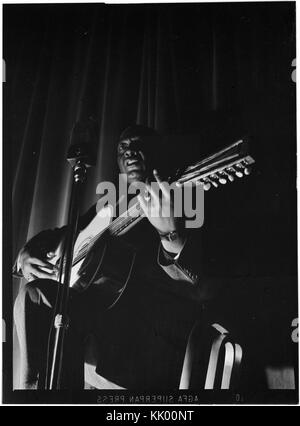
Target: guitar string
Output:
{"points": [[194, 174], [83, 252], [115, 227]]}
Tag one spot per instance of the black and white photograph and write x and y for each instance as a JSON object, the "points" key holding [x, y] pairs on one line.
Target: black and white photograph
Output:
{"points": [[149, 206]]}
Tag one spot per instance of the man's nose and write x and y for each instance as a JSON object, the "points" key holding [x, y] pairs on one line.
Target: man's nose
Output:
{"points": [[130, 153]]}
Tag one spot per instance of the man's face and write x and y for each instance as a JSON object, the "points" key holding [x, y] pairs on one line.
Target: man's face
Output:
{"points": [[131, 159]]}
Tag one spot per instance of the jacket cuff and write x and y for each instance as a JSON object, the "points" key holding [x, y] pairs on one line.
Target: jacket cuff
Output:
{"points": [[179, 267]]}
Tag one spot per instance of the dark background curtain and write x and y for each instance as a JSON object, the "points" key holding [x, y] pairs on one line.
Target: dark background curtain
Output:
{"points": [[201, 74]]}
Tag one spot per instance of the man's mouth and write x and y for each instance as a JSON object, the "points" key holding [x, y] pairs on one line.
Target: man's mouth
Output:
{"points": [[131, 161], [133, 164]]}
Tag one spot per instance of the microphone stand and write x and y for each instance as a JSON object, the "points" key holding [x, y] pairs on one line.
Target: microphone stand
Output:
{"points": [[80, 159]]}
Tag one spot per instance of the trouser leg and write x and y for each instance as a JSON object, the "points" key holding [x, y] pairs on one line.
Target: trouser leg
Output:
{"points": [[33, 317], [33, 314]]}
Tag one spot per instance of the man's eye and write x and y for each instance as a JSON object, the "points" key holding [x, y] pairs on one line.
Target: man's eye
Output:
{"points": [[122, 147]]}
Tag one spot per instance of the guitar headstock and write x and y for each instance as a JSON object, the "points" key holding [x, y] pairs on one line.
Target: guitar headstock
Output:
{"points": [[219, 168]]}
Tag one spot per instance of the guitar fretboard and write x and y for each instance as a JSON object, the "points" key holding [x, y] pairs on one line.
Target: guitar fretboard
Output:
{"points": [[217, 168]]}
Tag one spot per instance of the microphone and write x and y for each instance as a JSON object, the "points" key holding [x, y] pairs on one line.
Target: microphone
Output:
{"points": [[83, 143]]}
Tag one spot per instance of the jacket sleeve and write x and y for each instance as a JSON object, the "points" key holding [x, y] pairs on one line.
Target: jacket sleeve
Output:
{"points": [[184, 267], [196, 268]]}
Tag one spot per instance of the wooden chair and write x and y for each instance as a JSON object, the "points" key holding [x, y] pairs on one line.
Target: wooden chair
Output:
{"points": [[212, 359]]}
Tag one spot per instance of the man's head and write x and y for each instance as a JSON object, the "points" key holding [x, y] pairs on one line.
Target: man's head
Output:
{"points": [[136, 151]]}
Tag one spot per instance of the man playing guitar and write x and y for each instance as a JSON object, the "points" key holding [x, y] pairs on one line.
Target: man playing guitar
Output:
{"points": [[141, 326]]}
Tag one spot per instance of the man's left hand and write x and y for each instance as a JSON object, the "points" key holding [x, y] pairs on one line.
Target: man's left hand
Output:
{"points": [[158, 206]]}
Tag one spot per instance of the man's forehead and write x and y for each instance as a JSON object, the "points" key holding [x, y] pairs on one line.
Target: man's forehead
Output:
{"points": [[132, 139]]}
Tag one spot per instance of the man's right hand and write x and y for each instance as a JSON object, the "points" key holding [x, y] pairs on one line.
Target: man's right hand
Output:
{"points": [[33, 267]]}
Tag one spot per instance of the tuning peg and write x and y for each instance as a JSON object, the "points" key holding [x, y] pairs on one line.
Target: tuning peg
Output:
{"points": [[206, 184], [229, 176], [243, 167], [239, 170], [236, 170], [222, 178], [231, 172], [213, 179], [247, 169]]}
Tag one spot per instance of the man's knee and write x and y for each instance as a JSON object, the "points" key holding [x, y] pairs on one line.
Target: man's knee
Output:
{"points": [[38, 292]]}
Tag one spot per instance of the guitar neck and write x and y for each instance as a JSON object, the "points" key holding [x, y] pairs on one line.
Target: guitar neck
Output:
{"points": [[126, 220], [218, 168]]}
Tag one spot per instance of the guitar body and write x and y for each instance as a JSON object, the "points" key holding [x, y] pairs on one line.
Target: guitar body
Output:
{"points": [[108, 265], [85, 238], [107, 256]]}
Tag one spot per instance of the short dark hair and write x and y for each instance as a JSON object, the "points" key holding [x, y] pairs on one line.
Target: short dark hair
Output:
{"points": [[139, 130]]}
